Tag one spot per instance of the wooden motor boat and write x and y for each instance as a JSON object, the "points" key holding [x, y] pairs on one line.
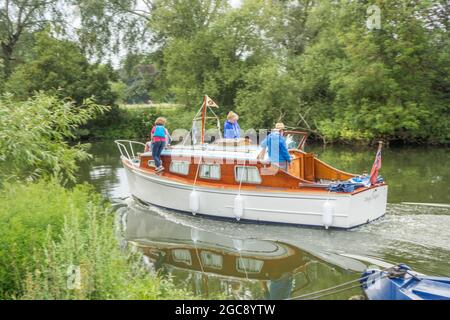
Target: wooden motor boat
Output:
{"points": [[226, 179]]}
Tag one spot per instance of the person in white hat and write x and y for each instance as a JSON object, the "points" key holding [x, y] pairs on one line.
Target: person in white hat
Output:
{"points": [[277, 148]]}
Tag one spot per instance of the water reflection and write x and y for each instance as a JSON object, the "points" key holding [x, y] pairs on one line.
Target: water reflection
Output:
{"points": [[105, 170], [242, 268]]}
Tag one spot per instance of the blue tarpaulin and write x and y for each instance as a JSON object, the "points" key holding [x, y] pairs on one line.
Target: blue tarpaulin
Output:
{"points": [[352, 184]]}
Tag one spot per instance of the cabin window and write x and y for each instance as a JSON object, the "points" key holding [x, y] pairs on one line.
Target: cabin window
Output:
{"points": [[249, 265], [182, 256], [212, 260], [181, 167], [210, 171], [247, 174], [151, 163]]}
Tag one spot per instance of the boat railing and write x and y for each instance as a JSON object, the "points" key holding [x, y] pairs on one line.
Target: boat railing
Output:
{"points": [[127, 148]]}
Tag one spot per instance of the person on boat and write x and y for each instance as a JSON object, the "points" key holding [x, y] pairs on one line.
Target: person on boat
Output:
{"points": [[277, 148], [159, 137], [231, 127]]}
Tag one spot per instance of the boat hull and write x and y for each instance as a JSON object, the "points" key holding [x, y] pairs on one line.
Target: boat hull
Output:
{"points": [[401, 283], [272, 206]]}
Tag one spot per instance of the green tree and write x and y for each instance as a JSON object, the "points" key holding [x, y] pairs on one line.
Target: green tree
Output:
{"points": [[186, 17], [33, 137], [17, 18], [59, 68], [139, 75], [214, 60], [364, 85], [98, 27], [270, 95]]}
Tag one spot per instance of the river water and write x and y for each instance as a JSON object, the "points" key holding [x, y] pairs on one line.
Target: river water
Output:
{"points": [[256, 261]]}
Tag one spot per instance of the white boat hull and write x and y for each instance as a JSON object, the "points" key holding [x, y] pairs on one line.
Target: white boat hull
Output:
{"points": [[298, 208]]}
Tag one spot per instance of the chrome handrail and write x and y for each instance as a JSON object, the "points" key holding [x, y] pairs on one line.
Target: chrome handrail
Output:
{"points": [[124, 150]]}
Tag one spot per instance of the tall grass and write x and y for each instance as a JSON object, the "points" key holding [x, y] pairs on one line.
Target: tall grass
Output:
{"points": [[60, 244]]}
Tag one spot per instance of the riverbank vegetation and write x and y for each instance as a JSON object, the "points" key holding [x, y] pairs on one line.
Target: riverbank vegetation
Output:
{"points": [[59, 242], [345, 71]]}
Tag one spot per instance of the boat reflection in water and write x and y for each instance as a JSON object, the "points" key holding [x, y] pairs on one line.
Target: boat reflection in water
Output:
{"points": [[212, 264]]}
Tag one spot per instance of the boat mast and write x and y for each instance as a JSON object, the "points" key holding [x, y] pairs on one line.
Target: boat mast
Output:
{"points": [[203, 119]]}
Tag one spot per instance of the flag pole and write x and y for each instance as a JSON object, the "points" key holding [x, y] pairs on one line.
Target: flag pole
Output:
{"points": [[380, 145]]}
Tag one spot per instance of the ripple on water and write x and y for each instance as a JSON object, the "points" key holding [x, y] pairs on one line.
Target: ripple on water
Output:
{"points": [[419, 225]]}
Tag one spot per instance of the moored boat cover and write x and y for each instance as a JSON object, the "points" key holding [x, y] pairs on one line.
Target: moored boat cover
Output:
{"points": [[404, 285]]}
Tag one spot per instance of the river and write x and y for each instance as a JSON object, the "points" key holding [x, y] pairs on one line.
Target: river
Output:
{"points": [[259, 261]]}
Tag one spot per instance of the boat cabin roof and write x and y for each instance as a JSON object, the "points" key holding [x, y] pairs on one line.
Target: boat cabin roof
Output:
{"points": [[213, 151]]}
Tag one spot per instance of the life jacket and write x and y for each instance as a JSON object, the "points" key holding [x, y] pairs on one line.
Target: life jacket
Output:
{"points": [[160, 131]]}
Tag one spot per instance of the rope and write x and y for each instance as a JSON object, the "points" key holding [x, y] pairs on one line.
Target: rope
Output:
{"points": [[196, 174], [218, 121], [336, 287], [331, 293]]}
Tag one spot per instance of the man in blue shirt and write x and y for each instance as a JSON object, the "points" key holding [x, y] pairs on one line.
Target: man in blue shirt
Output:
{"points": [[277, 148]]}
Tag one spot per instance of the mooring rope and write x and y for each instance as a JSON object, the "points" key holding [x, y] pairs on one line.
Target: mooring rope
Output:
{"points": [[335, 292], [198, 169], [326, 291]]}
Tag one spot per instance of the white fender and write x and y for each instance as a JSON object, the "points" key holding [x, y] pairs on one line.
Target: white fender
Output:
{"points": [[238, 207], [194, 202], [327, 214]]}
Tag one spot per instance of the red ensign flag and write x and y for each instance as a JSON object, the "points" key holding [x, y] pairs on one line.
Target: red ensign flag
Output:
{"points": [[376, 166]]}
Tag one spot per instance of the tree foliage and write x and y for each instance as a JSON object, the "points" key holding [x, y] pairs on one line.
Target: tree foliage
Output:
{"points": [[316, 66], [312, 64], [59, 68], [34, 134]]}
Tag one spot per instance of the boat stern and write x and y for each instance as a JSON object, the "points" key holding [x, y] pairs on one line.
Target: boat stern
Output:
{"points": [[367, 205]]}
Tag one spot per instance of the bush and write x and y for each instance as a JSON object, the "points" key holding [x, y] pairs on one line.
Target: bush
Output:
{"points": [[26, 211], [48, 233], [34, 134]]}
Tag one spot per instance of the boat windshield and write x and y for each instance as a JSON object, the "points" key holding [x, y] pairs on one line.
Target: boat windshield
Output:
{"points": [[295, 139]]}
